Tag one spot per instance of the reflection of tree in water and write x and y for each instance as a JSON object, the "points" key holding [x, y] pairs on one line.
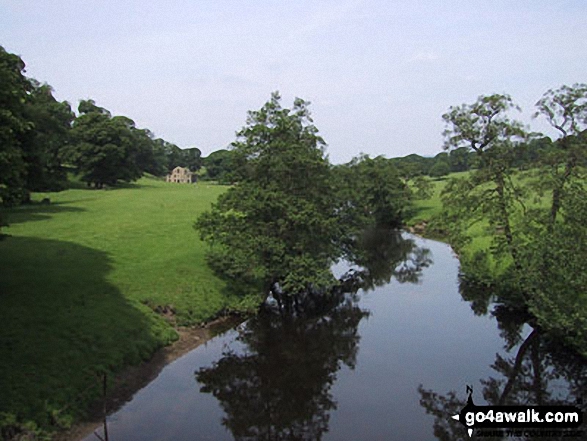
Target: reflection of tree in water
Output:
{"points": [[540, 372], [278, 388], [384, 254]]}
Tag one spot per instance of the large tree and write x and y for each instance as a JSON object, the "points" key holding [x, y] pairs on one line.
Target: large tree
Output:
{"points": [[108, 149], [13, 126], [565, 109], [34, 129], [278, 225], [538, 251], [485, 129], [44, 145]]}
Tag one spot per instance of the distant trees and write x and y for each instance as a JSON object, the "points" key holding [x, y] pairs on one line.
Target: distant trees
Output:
{"points": [[220, 166], [190, 158], [40, 137], [439, 169], [371, 193]]}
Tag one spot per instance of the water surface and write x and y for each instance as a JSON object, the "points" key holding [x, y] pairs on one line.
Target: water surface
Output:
{"points": [[390, 363]]}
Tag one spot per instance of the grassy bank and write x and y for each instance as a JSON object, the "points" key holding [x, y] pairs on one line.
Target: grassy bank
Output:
{"points": [[95, 281], [425, 210]]}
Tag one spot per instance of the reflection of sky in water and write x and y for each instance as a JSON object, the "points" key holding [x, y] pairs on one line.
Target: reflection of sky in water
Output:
{"points": [[416, 334]]}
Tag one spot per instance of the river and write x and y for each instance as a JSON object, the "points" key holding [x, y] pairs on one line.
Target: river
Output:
{"points": [[390, 363]]}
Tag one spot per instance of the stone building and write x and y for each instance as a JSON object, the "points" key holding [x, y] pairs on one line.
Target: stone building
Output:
{"points": [[181, 175]]}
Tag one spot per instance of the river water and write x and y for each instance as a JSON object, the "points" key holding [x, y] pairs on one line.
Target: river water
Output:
{"points": [[391, 363]]}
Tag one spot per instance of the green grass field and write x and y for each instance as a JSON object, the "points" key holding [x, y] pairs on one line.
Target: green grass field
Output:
{"points": [[79, 280], [481, 237], [425, 209]]}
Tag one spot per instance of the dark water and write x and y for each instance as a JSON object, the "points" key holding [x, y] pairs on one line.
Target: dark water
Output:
{"points": [[390, 363]]}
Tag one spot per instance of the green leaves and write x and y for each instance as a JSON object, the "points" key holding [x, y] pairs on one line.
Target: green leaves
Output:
{"points": [[277, 224], [539, 248]]}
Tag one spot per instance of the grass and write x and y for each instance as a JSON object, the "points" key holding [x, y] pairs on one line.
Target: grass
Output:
{"points": [[80, 279], [425, 209], [481, 236]]}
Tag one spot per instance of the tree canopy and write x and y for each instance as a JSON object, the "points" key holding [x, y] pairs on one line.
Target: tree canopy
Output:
{"points": [[538, 248], [277, 226]]}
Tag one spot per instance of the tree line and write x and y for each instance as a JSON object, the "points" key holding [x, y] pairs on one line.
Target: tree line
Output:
{"points": [[527, 156], [42, 139]]}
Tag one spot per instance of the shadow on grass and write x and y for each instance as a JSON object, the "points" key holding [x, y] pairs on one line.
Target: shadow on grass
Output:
{"points": [[36, 211], [79, 185], [62, 324]]}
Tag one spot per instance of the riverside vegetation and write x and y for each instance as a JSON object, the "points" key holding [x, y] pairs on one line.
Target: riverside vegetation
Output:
{"points": [[95, 280]]}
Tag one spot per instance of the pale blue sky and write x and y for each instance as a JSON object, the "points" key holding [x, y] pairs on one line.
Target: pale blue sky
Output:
{"points": [[379, 74]]}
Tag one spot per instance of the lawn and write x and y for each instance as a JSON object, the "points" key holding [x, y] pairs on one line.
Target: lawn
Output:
{"points": [[80, 280]]}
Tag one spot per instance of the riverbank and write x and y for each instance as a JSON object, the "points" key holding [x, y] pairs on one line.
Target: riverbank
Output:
{"points": [[93, 282], [133, 378]]}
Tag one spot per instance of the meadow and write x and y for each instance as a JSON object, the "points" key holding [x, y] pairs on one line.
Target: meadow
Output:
{"points": [[94, 281], [425, 210]]}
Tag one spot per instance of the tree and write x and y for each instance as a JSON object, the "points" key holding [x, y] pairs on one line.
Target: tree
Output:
{"points": [[278, 225], [34, 128], [565, 109], [108, 149], [485, 129], [541, 251], [439, 169], [370, 193], [192, 158], [13, 126], [44, 145], [220, 166], [554, 261]]}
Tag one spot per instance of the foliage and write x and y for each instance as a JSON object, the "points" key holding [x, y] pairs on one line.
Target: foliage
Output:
{"points": [[370, 193], [44, 144], [190, 158], [412, 165], [566, 110], [13, 125], [220, 166], [423, 188], [540, 250], [108, 149], [277, 226], [440, 169]]}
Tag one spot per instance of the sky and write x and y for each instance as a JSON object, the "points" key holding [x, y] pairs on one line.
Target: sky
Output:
{"points": [[379, 73]]}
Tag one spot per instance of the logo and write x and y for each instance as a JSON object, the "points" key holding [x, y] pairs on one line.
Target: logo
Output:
{"points": [[542, 418]]}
